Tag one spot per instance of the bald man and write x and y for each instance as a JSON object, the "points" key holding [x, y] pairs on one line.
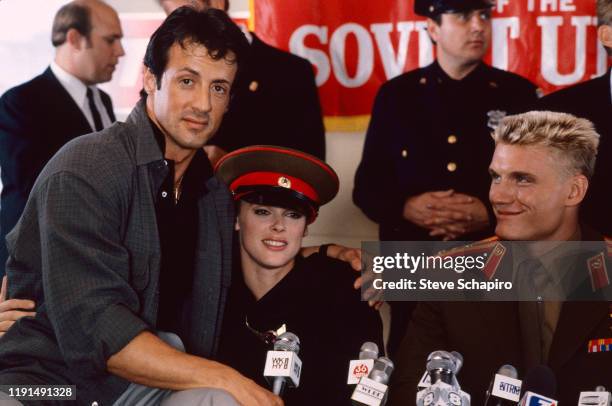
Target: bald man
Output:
{"points": [[38, 117]]}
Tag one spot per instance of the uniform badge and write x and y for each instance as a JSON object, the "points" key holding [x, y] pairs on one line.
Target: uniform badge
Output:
{"points": [[495, 117], [494, 260], [284, 182], [600, 345], [598, 272]]}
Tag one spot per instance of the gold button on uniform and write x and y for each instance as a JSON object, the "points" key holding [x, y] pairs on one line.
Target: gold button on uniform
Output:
{"points": [[451, 166], [452, 139], [404, 153]]}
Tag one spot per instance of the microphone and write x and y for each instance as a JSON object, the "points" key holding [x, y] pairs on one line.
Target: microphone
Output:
{"points": [[444, 366], [505, 388], [283, 366], [444, 389], [372, 390], [361, 367], [600, 397], [539, 387]]}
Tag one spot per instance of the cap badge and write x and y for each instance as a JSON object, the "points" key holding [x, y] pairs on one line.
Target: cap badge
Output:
{"points": [[495, 117], [284, 182]]}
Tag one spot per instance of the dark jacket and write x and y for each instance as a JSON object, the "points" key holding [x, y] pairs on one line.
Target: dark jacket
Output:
{"points": [[591, 100], [275, 102], [429, 132], [87, 251], [317, 302], [36, 119]]}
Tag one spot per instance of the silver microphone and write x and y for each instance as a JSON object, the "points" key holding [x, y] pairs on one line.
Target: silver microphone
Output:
{"points": [[283, 366]]}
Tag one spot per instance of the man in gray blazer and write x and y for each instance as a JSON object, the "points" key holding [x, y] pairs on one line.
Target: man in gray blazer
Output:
{"points": [[108, 247]]}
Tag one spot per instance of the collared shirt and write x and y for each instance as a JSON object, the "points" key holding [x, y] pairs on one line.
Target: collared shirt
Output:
{"points": [[553, 281], [78, 91], [177, 222], [557, 266]]}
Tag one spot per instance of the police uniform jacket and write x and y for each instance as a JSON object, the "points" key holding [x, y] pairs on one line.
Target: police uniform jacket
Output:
{"points": [[488, 335], [591, 100], [429, 132], [317, 302]]}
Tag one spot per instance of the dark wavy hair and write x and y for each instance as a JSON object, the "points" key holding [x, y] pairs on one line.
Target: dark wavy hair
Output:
{"points": [[211, 28]]}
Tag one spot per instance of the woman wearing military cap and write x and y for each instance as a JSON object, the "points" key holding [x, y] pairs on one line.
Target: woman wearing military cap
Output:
{"points": [[278, 193]]}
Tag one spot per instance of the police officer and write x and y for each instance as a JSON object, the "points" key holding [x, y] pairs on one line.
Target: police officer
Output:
{"points": [[423, 174]]}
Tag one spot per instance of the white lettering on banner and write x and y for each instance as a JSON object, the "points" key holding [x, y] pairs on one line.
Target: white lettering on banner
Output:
{"points": [[365, 60], [501, 4], [504, 30], [425, 44], [500, 28], [316, 57], [567, 5], [602, 57], [392, 64], [549, 55], [557, 5], [548, 5]]}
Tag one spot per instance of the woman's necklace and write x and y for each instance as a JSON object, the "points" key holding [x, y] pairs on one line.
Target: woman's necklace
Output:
{"points": [[269, 337]]}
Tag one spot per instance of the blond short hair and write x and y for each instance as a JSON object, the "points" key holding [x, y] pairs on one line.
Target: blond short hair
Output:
{"points": [[574, 139]]}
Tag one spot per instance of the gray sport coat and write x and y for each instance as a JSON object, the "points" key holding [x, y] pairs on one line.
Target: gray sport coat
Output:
{"points": [[87, 250]]}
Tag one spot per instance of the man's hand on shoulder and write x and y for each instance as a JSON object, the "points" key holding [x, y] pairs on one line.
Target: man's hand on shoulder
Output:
{"points": [[13, 309], [346, 254], [352, 256]]}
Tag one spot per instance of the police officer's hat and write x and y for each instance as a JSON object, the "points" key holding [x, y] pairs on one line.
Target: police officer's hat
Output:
{"points": [[432, 8], [278, 176]]}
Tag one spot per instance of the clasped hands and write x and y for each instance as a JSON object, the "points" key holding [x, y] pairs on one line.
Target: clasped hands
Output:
{"points": [[446, 213]]}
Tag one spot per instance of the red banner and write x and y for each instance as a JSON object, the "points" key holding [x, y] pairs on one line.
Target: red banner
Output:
{"points": [[357, 45]]}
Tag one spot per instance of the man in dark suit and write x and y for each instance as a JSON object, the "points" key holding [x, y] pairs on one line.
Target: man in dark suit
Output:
{"points": [[127, 234], [276, 100], [423, 174], [593, 100], [38, 117], [540, 175]]}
